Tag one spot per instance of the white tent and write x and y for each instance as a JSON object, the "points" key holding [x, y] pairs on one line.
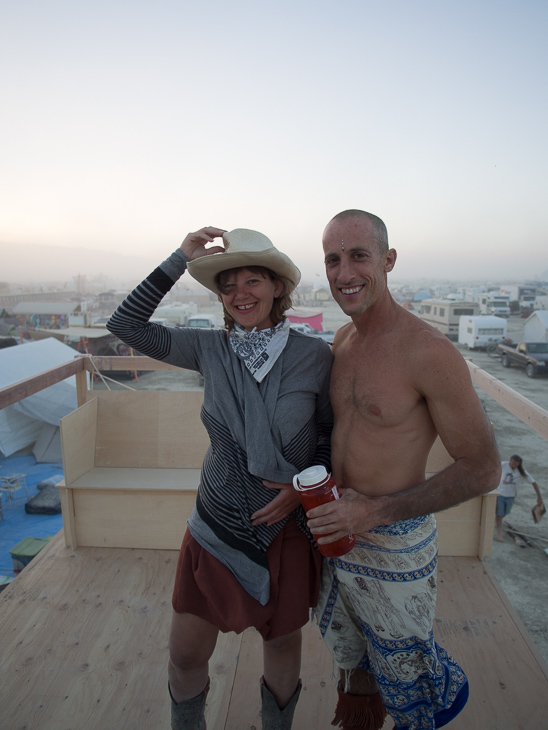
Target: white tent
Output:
{"points": [[31, 419], [535, 328]]}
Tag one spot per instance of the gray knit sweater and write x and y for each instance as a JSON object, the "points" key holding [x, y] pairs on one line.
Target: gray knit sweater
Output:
{"points": [[271, 430]]}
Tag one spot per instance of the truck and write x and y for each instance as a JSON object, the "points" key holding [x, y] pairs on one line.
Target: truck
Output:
{"points": [[482, 332], [533, 356], [305, 329]]}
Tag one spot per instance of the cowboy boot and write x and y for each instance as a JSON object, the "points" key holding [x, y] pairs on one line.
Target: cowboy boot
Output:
{"points": [[189, 715], [359, 712], [272, 717]]}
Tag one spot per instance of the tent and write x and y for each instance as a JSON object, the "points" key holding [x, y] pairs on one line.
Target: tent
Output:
{"points": [[35, 419], [535, 328], [309, 316]]}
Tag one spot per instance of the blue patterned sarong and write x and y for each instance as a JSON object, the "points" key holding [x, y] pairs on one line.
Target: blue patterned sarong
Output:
{"points": [[376, 611]]}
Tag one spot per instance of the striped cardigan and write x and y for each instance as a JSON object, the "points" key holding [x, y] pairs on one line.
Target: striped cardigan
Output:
{"points": [[271, 430]]}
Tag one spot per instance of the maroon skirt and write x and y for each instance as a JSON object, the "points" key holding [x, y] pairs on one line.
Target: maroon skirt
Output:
{"points": [[206, 588]]}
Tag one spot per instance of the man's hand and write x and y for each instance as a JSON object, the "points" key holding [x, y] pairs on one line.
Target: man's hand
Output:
{"points": [[282, 505], [194, 245], [352, 514]]}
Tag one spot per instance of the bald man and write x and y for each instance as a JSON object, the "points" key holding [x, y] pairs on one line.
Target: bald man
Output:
{"points": [[396, 384]]}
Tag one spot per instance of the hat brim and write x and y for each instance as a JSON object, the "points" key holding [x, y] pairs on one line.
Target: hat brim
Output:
{"points": [[206, 268]]}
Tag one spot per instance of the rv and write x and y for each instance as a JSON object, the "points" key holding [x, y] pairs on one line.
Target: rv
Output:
{"points": [[495, 303], [482, 332], [444, 314], [205, 321]]}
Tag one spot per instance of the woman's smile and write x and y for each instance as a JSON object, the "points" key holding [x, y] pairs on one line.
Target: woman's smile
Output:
{"points": [[248, 298]]}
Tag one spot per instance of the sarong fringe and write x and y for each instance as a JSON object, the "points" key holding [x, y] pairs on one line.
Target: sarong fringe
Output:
{"points": [[361, 712]]}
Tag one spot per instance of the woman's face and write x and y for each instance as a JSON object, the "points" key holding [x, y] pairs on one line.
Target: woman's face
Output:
{"points": [[249, 297]]}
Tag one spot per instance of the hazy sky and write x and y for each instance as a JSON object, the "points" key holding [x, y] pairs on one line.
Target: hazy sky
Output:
{"points": [[125, 125]]}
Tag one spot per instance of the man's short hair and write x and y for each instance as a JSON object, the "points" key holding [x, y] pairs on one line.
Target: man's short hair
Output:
{"points": [[380, 234]]}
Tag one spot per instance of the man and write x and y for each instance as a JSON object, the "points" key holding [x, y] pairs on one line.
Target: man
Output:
{"points": [[396, 384]]}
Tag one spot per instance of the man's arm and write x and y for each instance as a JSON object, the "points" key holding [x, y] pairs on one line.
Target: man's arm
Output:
{"points": [[442, 378]]}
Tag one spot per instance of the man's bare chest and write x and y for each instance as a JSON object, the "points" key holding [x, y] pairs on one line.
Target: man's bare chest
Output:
{"points": [[377, 391]]}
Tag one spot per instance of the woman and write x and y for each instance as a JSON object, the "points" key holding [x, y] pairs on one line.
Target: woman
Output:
{"points": [[247, 558], [513, 475]]}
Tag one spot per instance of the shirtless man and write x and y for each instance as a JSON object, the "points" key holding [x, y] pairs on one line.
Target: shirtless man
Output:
{"points": [[396, 384]]}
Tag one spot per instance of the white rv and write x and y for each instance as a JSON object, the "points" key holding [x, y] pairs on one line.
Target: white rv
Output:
{"points": [[481, 332], [444, 314], [204, 321], [495, 303]]}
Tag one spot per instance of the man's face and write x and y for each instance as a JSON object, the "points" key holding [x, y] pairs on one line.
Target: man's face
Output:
{"points": [[355, 268]]}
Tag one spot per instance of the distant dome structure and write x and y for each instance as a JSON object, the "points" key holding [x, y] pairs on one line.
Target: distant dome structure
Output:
{"points": [[420, 295]]}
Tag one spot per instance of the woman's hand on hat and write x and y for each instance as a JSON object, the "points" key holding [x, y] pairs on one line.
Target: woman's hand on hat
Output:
{"points": [[194, 245], [282, 505]]}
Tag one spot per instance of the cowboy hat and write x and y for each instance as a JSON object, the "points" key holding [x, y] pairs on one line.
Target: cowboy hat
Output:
{"points": [[243, 248]]}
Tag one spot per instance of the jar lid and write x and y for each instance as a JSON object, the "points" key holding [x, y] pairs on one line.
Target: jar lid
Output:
{"points": [[313, 475]]}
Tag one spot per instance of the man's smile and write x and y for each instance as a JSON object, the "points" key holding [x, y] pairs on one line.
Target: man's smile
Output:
{"points": [[351, 290]]}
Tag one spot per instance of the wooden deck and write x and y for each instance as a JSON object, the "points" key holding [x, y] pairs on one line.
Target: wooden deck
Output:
{"points": [[83, 632], [83, 646]]}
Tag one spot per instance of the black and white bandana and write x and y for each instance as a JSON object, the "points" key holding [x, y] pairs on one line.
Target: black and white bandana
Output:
{"points": [[259, 349]]}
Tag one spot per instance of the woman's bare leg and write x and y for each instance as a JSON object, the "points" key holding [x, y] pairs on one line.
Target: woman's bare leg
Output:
{"points": [[191, 644], [282, 666], [498, 521]]}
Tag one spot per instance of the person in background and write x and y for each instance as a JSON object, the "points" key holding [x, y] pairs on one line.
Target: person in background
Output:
{"points": [[247, 557], [512, 477], [396, 384]]}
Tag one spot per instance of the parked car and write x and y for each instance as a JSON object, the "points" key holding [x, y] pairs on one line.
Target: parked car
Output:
{"points": [[306, 329], [533, 356]]}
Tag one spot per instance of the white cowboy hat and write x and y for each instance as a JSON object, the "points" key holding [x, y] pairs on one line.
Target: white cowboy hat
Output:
{"points": [[243, 248]]}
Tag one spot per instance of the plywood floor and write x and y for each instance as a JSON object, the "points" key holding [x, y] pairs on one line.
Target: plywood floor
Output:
{"points": [[83, 646]]}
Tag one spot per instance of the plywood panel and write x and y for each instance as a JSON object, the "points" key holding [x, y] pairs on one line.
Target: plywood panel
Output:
{"points": [[83, 645], [150, 429], [127, 519], [78, 438], [467, 511], [67, 510], [487, 524], [139, 479], [458, 538], [508, 685], [438, 458]]}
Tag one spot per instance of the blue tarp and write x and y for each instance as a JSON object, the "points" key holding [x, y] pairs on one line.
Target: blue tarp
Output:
{"points": [[17, 524]]}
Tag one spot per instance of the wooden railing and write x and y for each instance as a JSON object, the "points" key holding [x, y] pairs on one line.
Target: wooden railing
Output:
{"points": [[524, 409]]}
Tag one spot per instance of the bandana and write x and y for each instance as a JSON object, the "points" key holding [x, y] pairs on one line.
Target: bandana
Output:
{"points": [[259, 349]]}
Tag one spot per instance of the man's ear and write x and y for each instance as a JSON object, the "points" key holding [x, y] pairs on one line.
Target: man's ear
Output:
{"points": [[390, 259]]}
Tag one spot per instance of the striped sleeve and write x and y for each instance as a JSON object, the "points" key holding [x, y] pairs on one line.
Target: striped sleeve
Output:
{"points": [[130, 322]]}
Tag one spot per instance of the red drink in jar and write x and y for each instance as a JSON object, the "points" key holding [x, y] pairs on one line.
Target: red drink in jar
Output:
{"points": [[315, 487]]}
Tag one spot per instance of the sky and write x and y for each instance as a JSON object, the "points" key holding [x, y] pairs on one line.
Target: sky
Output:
{"points": [[125, 125]]}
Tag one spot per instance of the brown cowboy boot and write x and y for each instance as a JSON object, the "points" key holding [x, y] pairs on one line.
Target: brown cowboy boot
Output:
{"points": [[272, 717], [189, 715]]}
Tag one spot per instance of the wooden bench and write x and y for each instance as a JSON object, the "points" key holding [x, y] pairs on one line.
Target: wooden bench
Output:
{"points": [[132, 465]]}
